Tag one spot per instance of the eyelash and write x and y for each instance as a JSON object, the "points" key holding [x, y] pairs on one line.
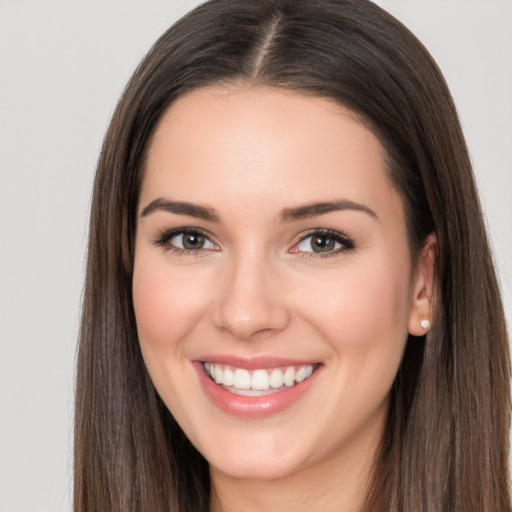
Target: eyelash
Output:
{"points": [[164, 237], [347, 244]]}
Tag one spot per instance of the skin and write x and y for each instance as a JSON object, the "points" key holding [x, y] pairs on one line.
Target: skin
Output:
{"points": [[256, 289]]}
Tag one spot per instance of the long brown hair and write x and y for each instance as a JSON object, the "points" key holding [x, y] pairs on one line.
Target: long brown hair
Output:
{"points": [[445, 447]]}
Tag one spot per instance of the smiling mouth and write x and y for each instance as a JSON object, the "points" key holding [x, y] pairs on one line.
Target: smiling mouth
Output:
{"points": [[260, 382]]}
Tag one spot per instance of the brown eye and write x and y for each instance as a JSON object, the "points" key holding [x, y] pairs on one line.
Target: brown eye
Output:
{"points": [[185, 240], [324, 243], [190, 241], [320, 243]]}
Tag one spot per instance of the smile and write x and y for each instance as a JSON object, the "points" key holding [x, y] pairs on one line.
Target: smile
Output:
{"points": [[257, 382], [256, 389]]}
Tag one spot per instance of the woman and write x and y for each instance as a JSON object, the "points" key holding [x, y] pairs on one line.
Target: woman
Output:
{"points": [[290, 299]]}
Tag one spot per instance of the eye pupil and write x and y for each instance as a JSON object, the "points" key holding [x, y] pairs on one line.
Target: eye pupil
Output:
{"points": [[193, 241], [322, 243]]}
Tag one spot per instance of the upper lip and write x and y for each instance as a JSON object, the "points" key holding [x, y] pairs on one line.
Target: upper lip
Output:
{"points": [[254, 363]]}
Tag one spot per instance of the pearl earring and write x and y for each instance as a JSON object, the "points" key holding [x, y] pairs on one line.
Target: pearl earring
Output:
{"points": [[425, 324]]}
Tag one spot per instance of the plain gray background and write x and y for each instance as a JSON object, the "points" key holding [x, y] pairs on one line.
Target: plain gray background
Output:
{"points": [[62, 68]]}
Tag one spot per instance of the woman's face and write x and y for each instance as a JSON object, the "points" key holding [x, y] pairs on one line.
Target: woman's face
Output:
{"points": [[271, 252]]}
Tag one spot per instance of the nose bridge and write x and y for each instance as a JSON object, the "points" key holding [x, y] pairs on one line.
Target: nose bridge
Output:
{"points": [[249, 301]]}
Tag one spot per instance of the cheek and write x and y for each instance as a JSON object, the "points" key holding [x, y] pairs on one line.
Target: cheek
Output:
{"points": [[167, 303], [364, 321], [365, 311]]}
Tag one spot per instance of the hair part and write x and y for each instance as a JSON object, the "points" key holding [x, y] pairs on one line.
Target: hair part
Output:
{"points": [[446, 441]]}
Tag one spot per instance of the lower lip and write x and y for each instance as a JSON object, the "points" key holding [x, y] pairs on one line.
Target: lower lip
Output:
{"points": [[253, 407]]}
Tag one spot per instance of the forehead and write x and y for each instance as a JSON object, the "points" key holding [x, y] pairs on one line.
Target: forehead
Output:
{"points": [[256, 144]]}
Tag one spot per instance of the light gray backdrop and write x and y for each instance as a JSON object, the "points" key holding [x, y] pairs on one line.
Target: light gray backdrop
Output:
{"points": [[62, 67]]}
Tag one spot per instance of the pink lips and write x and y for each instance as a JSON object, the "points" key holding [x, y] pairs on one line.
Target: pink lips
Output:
{"points": [[253, 407]]}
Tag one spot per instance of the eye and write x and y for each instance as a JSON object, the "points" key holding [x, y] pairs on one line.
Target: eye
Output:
{"points": [[323, 243], [191, 241], [185, 241]]}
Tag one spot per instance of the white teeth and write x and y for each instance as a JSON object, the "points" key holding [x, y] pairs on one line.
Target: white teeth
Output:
{"points": [[252, 392], [300, 375], [242, 379], [289, 377], [257, 380], [217, 375], [276, 378], [228, 377]]}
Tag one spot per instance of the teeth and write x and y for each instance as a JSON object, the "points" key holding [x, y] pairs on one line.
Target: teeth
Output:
{"points": [[242, 379], [257, 380], [303, 373], [228, 377], [217, 375], [289, 377], [276, 378]]}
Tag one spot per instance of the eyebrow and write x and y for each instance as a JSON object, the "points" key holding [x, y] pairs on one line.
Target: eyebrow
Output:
{"points": [[287, 215], [181, 208], [315, 209]]}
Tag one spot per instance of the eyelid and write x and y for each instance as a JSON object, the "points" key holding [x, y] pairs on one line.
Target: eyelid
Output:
{"points": [[164, 236], [347, 242]]}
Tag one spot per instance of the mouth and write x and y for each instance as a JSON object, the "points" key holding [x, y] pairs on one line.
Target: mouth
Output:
{"points": [[257, 382], [258, 387]]}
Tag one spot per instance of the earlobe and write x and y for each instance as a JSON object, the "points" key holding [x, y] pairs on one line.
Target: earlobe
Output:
{"points": [[425, 324], [422, 298]]}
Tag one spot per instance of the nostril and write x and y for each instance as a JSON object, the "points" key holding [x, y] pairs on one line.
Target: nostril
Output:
{"points": [[246, 333], [260, 321]]}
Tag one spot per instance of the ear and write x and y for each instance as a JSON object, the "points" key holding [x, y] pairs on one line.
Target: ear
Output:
{"points": [[422, 298]]}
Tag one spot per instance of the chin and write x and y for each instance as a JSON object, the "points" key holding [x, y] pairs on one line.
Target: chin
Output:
{"points": [[245, 469], [260, 456]]}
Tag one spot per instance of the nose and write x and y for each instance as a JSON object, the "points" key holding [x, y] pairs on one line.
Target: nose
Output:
{"points": [[250, 304]]}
